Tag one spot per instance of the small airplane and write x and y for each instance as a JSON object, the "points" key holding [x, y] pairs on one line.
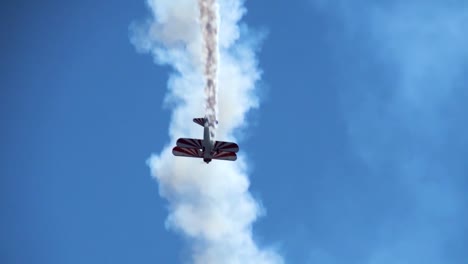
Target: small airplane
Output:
{"points": [[208, 148]]}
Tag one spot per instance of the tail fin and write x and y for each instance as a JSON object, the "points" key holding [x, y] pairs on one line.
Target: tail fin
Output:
{"points": [[200, 121]]}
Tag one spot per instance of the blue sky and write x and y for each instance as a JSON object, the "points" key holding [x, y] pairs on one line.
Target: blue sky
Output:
{"points": [[357, 152]]}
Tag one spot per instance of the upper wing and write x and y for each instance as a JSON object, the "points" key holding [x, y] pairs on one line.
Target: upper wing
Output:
{"points": [[187, 152], [225, 146], [224, 155], [191, 143]]}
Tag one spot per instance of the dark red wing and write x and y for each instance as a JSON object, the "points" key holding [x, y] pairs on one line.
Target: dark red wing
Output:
{"points": [[192, 143], [187, 152], [223, 146], [224, 155]]}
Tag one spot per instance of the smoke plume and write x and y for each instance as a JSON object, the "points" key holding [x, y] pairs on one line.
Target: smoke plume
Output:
{"points": [[210, 205], [209, 25]]}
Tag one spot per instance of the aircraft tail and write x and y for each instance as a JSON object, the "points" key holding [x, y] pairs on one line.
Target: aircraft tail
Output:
{"points": [[201, 121]]}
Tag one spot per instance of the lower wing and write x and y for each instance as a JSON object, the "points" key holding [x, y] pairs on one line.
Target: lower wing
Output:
{"points": [[187, 152], [222, 146], [191, 143], [225, 155]]}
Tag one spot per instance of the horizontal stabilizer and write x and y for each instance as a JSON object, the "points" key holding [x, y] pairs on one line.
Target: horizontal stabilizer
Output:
{"points": [[192, 143], [200, 121], [223, 155], [187, 152], [226, 146]]}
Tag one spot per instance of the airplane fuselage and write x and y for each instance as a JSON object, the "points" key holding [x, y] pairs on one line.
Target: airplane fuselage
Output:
{"points": [[207, 144]]}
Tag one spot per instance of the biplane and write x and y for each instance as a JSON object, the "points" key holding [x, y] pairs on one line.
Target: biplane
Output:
{"points": [[206, 148]]}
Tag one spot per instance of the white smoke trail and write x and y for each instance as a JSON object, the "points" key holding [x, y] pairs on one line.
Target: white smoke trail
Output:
{"points": [[209, 25], [209, 204]]}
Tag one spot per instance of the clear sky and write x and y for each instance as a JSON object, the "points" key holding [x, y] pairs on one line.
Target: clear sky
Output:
{"points": [[358, 151]]}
